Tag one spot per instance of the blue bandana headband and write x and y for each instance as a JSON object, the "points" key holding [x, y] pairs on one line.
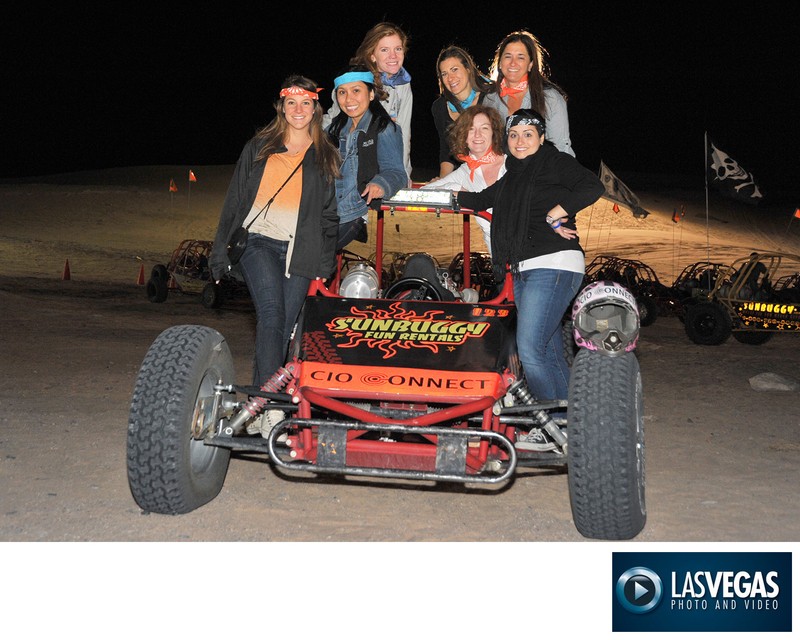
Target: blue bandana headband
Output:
{"points": [[354, 76]]}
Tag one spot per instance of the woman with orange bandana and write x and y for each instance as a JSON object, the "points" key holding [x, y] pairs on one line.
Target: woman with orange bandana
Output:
{"points": [[522, 82], [476, 139]]}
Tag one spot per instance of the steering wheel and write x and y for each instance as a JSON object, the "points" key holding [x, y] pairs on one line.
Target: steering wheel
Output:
{"points": [[413, 289]]}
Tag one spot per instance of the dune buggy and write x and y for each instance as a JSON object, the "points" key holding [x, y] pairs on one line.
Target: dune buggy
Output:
{"points": [[417, 380], [752, 299], [188, 272], [695, 281], [652, 296]]}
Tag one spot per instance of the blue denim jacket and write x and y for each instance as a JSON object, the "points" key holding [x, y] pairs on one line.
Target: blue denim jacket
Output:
{"points": [[391, 174]]}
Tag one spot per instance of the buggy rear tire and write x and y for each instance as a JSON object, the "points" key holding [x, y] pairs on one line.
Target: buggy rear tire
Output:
{"points": [[707, 323], [160, 272], [413, 289], [156, 289], [605, 454], [648, 310], [752, 337], [169, 471], [212, 296]]}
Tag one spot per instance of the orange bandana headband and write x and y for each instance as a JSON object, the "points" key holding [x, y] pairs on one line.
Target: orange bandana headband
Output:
{"points": [[299, 92]]}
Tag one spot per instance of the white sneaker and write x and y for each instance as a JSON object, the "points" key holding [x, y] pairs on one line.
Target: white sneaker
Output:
{"points": [[268, 421]]}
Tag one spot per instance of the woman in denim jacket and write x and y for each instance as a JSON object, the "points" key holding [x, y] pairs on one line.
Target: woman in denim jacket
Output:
{"points": [[371, 147]]}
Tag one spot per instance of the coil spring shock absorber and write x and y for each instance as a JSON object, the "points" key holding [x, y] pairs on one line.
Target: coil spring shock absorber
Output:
{"points": [[520, 390], [255, 405]]}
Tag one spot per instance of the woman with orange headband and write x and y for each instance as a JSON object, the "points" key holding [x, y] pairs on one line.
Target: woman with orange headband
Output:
{"points": [[283, 191], [522, 81]]}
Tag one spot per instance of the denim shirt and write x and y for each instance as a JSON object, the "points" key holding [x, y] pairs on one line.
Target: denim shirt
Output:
{"points": [[391, 174]]}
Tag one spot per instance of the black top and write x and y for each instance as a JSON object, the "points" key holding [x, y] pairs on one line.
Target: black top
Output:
{"points": [[443, 121]]}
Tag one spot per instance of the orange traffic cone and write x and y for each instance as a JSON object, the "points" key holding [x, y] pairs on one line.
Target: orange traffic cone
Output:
{"points": [[140, 280], [66, 274]]}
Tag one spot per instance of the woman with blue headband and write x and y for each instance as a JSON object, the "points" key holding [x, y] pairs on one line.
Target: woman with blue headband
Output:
{"points": [[383, 51], [371, 148]]}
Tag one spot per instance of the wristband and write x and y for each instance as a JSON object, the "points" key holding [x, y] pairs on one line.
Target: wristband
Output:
{"points": [[556, 225]]}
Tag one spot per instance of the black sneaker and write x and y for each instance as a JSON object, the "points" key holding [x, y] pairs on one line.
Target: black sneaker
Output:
{"points": [[535, 440]]}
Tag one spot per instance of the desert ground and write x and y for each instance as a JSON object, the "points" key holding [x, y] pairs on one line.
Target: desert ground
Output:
{"points": [[721, 456]]}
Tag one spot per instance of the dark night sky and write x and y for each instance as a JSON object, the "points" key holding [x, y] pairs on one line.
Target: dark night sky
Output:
{"points": [[104, 87]]}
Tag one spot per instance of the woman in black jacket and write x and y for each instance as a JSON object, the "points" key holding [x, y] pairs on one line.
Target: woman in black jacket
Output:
{"points": [[283, 187], [533, 233]]}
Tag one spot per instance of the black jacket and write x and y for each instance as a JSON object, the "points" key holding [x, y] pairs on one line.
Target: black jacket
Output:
{"points": [[314, 249], [556, 178]]}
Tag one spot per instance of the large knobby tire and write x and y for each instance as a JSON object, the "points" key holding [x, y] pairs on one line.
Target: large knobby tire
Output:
{"points": [[707, 323], [605, 455], [168, 470], [157, 289], [752, 337]]}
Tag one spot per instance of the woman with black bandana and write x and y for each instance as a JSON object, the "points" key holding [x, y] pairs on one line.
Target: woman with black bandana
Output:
{"points": [[533, 233]]}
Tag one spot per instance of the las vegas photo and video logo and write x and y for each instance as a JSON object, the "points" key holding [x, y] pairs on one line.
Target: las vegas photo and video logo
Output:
{"points": [[702, 592]]}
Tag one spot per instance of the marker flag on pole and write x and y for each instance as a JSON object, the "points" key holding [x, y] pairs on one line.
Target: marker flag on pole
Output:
{"points": [[191, 176], [675, 216], [618, 192], [797, 213], [172, 186]]}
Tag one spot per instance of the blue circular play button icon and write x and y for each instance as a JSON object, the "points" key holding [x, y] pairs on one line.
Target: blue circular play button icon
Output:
{"points": [[639, 590]]}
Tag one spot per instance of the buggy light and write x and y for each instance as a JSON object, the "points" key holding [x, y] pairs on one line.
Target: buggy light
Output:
{"points": [[605, 318], [361, 281]]}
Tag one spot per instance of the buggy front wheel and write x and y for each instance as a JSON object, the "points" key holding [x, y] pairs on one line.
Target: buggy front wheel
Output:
{"points": [[170, 469], [605, 427]]}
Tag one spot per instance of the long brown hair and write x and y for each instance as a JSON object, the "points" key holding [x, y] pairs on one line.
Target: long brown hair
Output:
{"points": [[363, 54], [538, 76], [275, 133], [457, 133], [477, 80]]}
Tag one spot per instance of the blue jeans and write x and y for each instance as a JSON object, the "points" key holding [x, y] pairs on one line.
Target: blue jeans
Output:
{"points": [[277, 301], [541, 297], [349, 231]]}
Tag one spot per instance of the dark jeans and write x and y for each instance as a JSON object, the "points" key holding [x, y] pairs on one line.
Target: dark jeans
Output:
{"points": [[541, 297], [277, 301], [349, 231]]}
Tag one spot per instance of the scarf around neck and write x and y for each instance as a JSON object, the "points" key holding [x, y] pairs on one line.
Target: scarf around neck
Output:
{"points": [[473, 163], [401, 77], [464, 104], [508, 90]]}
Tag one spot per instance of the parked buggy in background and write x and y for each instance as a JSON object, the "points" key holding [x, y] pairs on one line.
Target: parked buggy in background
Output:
{"points": [[752, 299], [652, 297], [695, 281], [188, 272], [416, 380]]}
